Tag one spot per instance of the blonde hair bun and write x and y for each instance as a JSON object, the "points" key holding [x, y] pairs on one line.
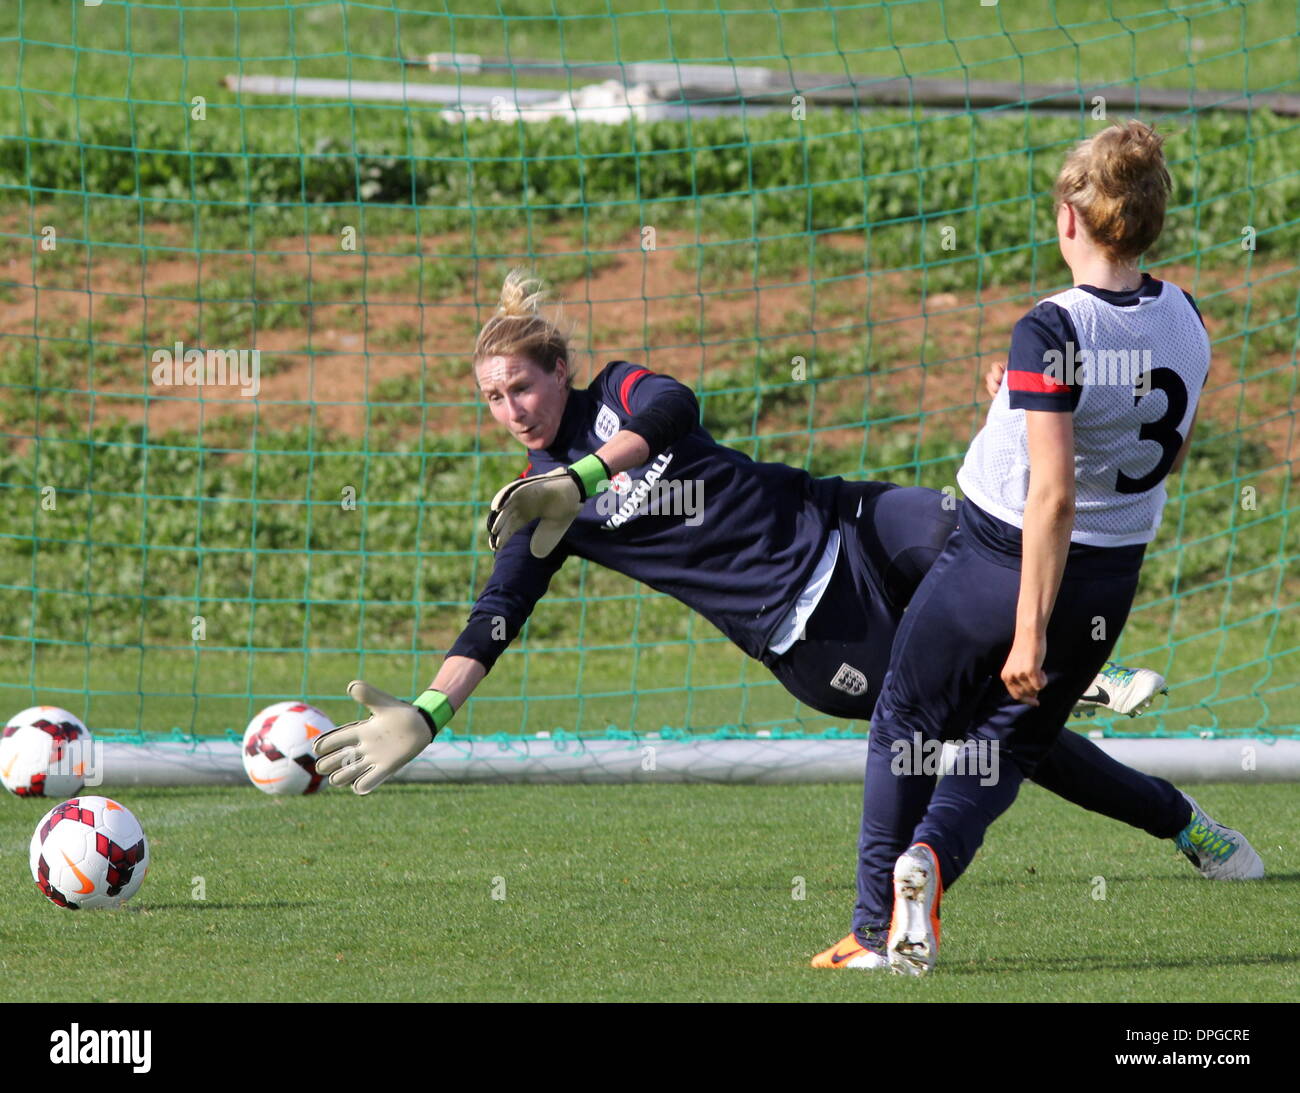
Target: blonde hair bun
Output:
{"points": [[519, 300], [519, 329], [1118, 184]]}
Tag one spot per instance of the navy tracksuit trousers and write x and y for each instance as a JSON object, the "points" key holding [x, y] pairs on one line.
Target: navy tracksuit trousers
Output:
{"points": [[943, 683], [893, 540]]}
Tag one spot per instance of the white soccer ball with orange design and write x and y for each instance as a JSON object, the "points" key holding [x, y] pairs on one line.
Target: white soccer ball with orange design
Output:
{"points": [[44, 752], [277, 748], [88, 852]]}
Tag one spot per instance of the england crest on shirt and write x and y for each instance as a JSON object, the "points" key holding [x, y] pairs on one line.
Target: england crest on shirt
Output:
{"points": [[606, 422], [849, 680]]}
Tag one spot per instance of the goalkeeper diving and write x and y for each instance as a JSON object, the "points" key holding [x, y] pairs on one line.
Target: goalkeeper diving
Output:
{"points": [[808, 575]]}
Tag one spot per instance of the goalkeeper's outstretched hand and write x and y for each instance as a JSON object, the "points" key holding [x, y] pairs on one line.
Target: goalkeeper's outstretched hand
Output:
{"points": [[364, 754], [554, 498]]}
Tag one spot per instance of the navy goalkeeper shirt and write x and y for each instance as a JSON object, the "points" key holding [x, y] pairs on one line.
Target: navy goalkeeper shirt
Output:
{"points": [[732, 539]]}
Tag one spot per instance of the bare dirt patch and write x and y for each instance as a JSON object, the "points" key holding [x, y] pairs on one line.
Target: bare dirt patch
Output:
{"points": [[346, 339]]}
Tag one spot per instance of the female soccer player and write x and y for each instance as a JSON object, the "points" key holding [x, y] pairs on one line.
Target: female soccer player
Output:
{"points": [[808, 575], [1064, 488]]}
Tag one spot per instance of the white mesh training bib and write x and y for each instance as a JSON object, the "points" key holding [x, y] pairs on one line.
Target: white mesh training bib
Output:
{"points": [[1138, 370]]}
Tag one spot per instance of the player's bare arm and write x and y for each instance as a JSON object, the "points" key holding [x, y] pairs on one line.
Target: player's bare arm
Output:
{"points": [[1049, 518]]}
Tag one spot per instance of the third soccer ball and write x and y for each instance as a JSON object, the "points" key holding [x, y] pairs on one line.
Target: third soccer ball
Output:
{"points": [[277, 748]]}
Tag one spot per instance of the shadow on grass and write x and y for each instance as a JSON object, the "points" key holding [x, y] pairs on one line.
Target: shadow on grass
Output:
{"points": [[1187, 876], [1101, 963], [221, 905], [243, 790]]}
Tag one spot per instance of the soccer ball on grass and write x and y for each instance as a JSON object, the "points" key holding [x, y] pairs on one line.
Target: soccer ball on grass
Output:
{"points": [[277, 748], [43, 753], [89, 852]]}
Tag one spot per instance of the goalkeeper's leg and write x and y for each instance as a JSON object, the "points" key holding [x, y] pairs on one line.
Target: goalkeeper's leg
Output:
{"points": [[1078, 770]]}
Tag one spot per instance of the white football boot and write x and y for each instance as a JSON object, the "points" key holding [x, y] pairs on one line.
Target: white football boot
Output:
{"points": [[1218, 852], [913, 944], [1121, 690]]}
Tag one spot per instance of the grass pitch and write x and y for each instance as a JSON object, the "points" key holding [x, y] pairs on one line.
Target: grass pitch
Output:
{"points": [[651, 893]]}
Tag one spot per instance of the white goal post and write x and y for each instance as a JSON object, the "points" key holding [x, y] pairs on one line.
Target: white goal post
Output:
{"points": [[754, 760]]}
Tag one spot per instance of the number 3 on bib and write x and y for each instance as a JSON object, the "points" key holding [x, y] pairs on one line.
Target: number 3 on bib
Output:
{"points": [[1164, 430]]}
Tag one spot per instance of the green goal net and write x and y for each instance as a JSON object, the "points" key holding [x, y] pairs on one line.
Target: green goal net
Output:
{"points": [[824, 217]]}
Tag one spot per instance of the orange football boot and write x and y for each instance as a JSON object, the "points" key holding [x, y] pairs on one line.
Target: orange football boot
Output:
{"points": [[849, 953]]}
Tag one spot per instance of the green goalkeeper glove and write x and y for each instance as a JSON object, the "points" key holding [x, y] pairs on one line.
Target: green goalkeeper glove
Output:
{"points": [[364, 754], [554, 498]]}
